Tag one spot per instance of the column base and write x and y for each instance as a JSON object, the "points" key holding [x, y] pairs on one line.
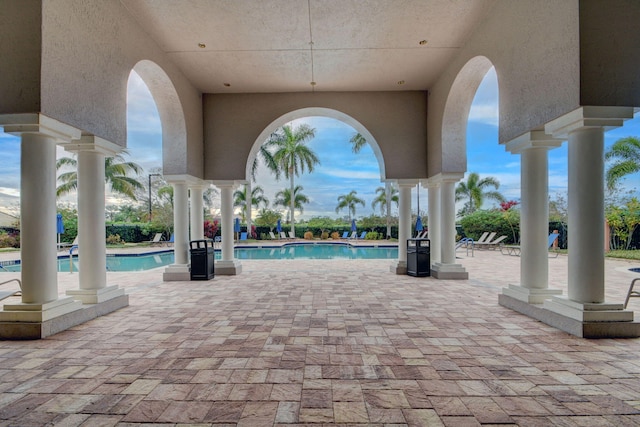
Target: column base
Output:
{"points": [[449, 271], [530, 295], [582, 329], [56, 317], [228, 268], [398, 267], [176, 273], [96, 296], [589, 312]]}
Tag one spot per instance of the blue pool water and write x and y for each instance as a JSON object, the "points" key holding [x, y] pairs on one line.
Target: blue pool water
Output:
{"points": [[292, 251]]}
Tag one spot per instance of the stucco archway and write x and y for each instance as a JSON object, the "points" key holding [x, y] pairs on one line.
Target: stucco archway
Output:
{"points": [[311, 112], [174, 131]]}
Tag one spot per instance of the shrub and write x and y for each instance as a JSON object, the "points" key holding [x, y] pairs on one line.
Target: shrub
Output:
{"points": [[9, 241], [335, 235], [308, 235], [114, 239], [480, 221], [324, 235], [372, 235]]}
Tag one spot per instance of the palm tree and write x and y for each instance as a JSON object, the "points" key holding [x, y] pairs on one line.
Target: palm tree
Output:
{"points": [[357, 142], [283, 198], [257, 198], [292, 155], [116, 172], [385, 196], [475, 191], [349, 202], [626, 152]]}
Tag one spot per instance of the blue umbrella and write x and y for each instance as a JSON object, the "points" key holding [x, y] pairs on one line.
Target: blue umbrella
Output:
{"points": [[236, 226], [59, 227], [419, 224], [353, 225], [279, 226]]}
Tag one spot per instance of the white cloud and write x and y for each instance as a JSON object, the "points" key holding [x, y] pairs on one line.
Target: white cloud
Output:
{"points": [[484, 113]]}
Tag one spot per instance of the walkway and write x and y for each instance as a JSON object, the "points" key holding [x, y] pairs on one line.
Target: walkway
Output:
{"points": [[323, 342]]}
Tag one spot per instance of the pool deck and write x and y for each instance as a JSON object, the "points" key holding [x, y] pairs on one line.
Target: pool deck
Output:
{"points": [[324, 342]]}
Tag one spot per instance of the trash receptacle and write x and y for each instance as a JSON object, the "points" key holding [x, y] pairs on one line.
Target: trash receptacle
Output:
{"points": [[202, 256], [418, 257]]}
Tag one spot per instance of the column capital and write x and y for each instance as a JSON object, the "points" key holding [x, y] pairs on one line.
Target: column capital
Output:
{"points": [[93, 143], [588, 117], [181, 179], [227, 184], [446, 177], [16, 124], [530, 140], [407, 182], [199, 185]]}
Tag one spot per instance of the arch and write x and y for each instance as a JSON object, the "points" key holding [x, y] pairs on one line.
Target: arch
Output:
{"points": [[172, 118], [310, 112], [456, 114]]}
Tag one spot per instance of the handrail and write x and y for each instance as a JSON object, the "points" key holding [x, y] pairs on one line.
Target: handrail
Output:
{"points": [[71, 258], [466, 241], [12, 280]]}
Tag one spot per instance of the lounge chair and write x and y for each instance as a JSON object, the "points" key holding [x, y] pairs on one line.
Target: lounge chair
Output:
{"points": [[243, 236], [490, 244], [171, 240], [292, 236], [486, 237], [156, 239], [514, 250], [283, 235], [345, 235], [363, 235], [7, 294], [354, 235], [272, 236], [68, 245], [631, 293]]}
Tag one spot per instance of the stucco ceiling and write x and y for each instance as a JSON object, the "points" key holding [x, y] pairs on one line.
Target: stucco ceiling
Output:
{"points": [[284, 45]]}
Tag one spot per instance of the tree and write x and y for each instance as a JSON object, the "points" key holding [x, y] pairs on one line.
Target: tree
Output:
{"points": [[267, 218], [385, 196], [292, 156], [349, 202], [283, 198], [116, 172], [257, 198], [475, 190], [626, 153], [357, 142]]}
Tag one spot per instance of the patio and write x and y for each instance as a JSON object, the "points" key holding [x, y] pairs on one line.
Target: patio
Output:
{"points": [[324, 342]]}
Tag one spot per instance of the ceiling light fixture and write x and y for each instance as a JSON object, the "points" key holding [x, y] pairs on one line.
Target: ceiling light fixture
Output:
{"points": [[400, 82], [313, 83], [422, 42], [227, 84], [202, 45]]}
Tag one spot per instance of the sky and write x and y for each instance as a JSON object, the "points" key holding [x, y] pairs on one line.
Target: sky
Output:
{"points": [[340, 170]]}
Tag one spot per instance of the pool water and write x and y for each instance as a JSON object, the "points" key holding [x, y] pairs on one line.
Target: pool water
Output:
{"points": [[294, 251]]}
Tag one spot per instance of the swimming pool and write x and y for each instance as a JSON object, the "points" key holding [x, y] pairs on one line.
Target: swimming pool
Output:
{"points": [[147, 261]]}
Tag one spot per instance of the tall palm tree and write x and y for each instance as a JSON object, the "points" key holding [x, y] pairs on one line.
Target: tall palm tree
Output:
{"points": [[116, 171], [257, 198], [357, 142], [475, 190], [626, 152], [385, 196], [283, 198], [349, 202], [292, 155]]}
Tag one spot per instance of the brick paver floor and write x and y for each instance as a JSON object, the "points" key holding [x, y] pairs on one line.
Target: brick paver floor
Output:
{"points": [[323, 342]]}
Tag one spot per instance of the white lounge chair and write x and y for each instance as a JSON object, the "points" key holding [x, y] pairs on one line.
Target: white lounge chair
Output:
{"points": [[283, 235], [291, 236], [490, 244], [156, 239], [272, 236]]}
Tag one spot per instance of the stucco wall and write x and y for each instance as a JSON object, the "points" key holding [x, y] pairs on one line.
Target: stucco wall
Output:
{"points": [[397, 121], [534, 47], [89, 50], [610, 52], [20, 37]]}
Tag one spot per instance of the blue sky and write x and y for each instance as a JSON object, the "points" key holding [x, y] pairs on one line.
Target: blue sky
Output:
{"points": [[340, 170]]}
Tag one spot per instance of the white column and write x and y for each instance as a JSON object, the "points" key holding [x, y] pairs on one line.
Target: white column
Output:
{"points": [[92, 249], [197, 213], [434, 220], [534, 217], [447, 268], [249, 205], [40, 301], [404, 224], [179, 270], [584, 129], [227, 265], [37, 208]]}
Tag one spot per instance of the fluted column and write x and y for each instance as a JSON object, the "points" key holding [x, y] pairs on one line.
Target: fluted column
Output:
{"points": [[404, 224], [534, 217], [227, 265], [92, 249], [447, 268]]}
